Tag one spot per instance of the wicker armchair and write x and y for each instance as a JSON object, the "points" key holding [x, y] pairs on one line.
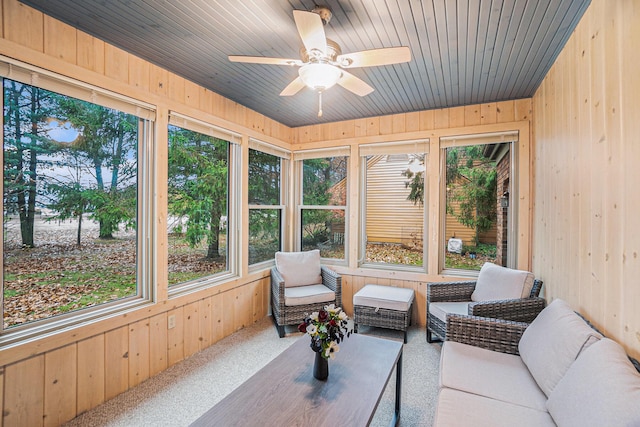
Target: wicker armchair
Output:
{"points": [[514, 309], [294, 314]]}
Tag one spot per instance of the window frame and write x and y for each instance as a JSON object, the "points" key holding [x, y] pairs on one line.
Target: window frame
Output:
{"points": [[510, 137], [418, 146], [145, 204], [321, 153], [234, 199], [285, 159]]}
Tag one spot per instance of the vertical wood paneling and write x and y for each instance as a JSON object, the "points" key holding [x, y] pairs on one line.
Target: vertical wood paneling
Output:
{"points": [[192, 94], [427, 120], [217, 312], [158, 80], [505, 111], [228, 314], [586, 124], [456, 117], [116, 63], [488, 114], [90, 53], [191, 329], [242, 303], [116, 350], [91, 382], [24, 393], [60, 386], [472, 115], [2, 394], [158, 344], [175, 338], [139, 73], [441, 118], [60, 40], [30, 31], [139, 336], [629, 16], [206, 323]]}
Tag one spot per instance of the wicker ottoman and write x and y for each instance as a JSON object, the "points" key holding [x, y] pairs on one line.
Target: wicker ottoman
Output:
{"points": [[384, 307]]}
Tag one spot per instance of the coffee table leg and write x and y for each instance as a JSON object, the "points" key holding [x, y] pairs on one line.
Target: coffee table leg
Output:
{"points": [[396, 415]]}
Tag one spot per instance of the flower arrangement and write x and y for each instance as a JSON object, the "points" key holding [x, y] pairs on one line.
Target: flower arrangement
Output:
{"points": [[327, 329]]}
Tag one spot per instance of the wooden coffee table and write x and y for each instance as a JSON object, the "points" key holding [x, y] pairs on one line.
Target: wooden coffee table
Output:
{"points": [[285, 393]]}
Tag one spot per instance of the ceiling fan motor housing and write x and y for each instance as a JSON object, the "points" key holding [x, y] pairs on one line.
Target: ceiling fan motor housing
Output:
{"points": [[324, 12], [333, 50]]}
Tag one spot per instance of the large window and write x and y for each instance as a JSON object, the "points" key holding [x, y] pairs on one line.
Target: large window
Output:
{"points": [[198, 200], [265, 201], [71, 198], [478, 210], [324, 203], [393, 183]]}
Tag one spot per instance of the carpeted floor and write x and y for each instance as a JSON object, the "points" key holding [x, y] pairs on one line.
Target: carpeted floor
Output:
{"points": [[179, 395]]}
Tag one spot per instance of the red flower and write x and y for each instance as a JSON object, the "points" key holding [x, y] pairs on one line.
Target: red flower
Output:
{"points": [[302, 327], [333, 323], [323, 316]]}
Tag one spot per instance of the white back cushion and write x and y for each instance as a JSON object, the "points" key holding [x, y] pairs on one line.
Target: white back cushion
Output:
{"points": [[601, 388], [553, 341], [496, 283], [299, 268]]}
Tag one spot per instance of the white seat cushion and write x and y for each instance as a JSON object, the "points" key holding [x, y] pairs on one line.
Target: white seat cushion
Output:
{"points": [[497, 283], [441, 309], [601, 388], [387, 297], [460, 409], [553, 341], [489, 373], [299, 268], [310, 294]]}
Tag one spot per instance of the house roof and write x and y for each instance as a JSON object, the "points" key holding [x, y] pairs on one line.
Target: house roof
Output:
{"points": [[463, 51]]}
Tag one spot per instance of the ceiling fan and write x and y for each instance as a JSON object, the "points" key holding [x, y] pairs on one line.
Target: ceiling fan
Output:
{"points": [[322, 62]]}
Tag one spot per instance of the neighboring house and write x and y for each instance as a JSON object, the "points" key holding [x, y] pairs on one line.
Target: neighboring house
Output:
{"points": [[392, 218]]}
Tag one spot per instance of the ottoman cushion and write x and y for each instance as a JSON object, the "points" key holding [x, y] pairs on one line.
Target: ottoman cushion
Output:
{"points": [[387, 297]]}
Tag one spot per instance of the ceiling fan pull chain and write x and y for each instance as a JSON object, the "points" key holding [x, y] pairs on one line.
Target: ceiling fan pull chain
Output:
{"points": [[319, 103]]}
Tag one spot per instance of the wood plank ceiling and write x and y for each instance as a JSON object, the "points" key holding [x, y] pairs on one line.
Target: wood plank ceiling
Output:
{"points": [[463, 51]]}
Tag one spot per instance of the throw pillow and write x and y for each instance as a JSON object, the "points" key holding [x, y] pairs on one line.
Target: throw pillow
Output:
{"points": [[497, 283], [553, 341], [299, 268], [601, 388]]}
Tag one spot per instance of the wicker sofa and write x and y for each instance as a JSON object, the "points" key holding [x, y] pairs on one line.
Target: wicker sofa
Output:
{"points": [[557, 370], [498, 292]]}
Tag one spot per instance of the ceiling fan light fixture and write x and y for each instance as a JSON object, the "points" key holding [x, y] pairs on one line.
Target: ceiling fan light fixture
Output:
{"points": [[319, 76]]}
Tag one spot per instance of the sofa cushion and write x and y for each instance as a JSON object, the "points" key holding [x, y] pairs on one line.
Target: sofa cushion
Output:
{"points": [[461, 409], [601, 388], [498, 283], [310, 294], [299, 268], [489, 373], [553, 341], [441, 309]]}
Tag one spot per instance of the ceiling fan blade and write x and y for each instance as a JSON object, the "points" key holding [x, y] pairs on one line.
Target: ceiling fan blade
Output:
{"points": [[293, 87], [264, 60], [311, 30], [374, 57], [354, 84]]}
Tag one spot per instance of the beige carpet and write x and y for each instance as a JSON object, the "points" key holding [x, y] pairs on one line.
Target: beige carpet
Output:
{"points": [[179, 395]]}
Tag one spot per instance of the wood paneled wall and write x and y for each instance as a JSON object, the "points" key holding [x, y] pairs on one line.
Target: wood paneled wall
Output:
{"points": [[431, 124], [587, 174], [50, 380]]}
